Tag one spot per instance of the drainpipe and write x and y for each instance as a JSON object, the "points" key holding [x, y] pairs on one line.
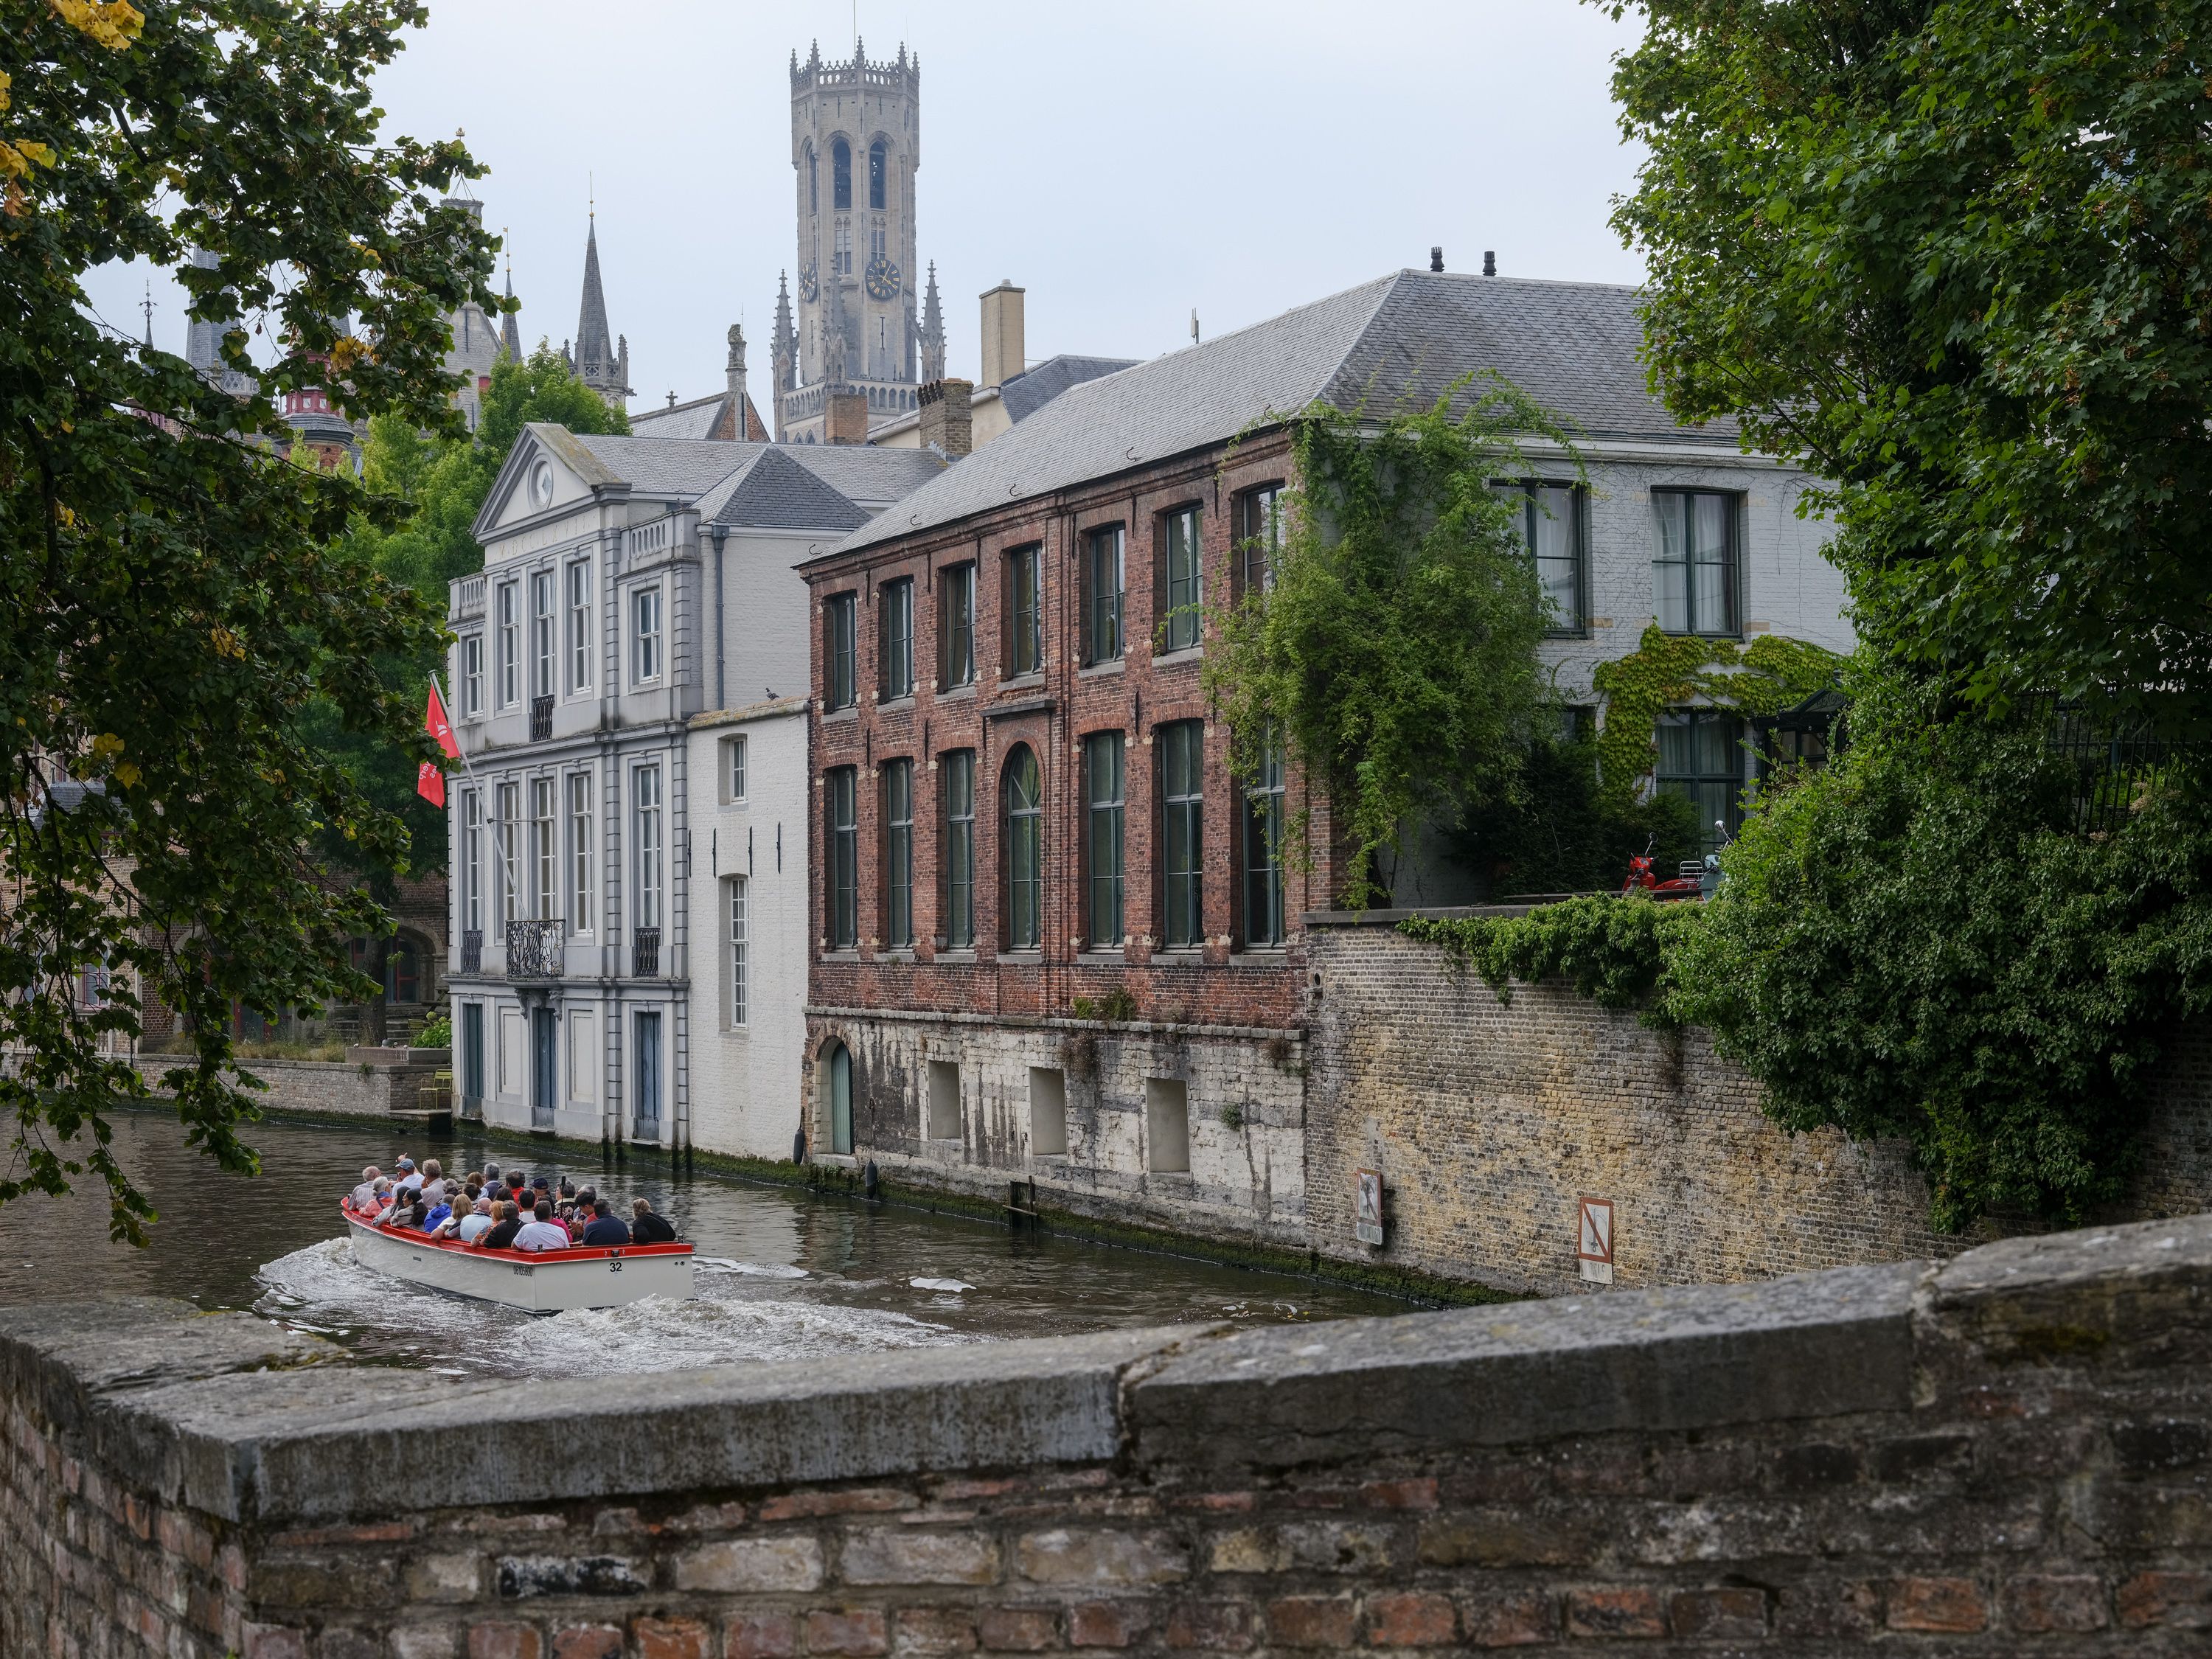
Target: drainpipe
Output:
{"points": [[721, 690]]}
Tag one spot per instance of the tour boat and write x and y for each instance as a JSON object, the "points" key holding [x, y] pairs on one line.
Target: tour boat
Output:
{"points": [[537, 1281]]}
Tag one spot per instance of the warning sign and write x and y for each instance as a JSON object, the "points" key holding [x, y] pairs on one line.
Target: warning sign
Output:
{"points": [[1367, 1212], [1593, 1239]]}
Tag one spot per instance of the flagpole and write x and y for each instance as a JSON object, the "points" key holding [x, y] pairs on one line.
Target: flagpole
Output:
{"points": [[461, 752]]}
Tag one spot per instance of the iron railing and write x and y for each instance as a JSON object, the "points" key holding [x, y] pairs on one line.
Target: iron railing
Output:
{"points": [[472, 951], [541, 719], [645, 952], [533, 948], [2116, 764]]}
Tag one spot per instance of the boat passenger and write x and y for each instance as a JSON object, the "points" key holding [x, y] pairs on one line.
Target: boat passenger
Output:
{"points": [[605, 1228], [433, 1182], [435, 1216], [646, 1228], [407, 1212], [475, 1223], [366, 1190], [500, 1234], [538, 1233], [409, 1177], [491, 1174]]}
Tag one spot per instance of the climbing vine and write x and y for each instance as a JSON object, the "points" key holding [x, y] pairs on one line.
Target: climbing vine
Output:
{"points": [[1667, 670], [1612, 950]]}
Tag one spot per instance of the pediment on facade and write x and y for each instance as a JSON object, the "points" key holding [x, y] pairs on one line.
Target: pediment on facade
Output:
{"points": [[545, 471]]}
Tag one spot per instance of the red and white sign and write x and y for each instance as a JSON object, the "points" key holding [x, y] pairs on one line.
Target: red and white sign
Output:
{"points": [[1593, 1239]]}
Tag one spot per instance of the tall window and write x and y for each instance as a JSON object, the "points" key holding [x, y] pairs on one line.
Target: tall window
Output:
{"points": [[645, 635], [956, 625], [504, 835], [580, 848], [579, 625], [472, 674], [648, 787], [844, 861], [737, 913], [895, 610], [1182, 810], [510, 644], [1258, 536], [1024, 611], [472, 904], [955, 788], [813, 181], [1184, 580], [1548, 520], [1263, 851], [841, 688], [733, 768], [541, 634], [878, 164], [841, 176], [1102, 582], [1694, 567], [898, 853], [1701, 759], [545, 851], [1103, 762], [1024, 852]]}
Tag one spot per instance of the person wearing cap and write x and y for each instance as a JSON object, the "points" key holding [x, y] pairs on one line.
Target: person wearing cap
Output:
{"points": [[407, 1176]]}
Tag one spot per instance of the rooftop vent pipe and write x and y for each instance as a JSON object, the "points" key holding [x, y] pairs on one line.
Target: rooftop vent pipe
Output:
{"points": [[1435, 258], [1489, 263]]}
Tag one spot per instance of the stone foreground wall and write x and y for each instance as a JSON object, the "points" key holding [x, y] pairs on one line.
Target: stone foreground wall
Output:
{"points": [[2007, 1454], [332, 1088], [1490, 1122]]}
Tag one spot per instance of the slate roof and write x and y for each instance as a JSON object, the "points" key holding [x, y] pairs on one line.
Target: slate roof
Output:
{"points": [[687, 467], [1031, 391], [776, 493], [1399, 341], [696, 419], [830, 486]]}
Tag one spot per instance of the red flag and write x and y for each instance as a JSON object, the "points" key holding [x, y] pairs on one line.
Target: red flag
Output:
{"points": [[430, 783], [436, 723]]}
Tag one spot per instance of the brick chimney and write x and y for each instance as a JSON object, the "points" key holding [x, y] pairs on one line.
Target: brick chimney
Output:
{"points": [[945, 417], [1003, 341], [846, 422]]}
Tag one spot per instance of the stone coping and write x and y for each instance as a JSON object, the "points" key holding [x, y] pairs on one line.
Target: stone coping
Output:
{"points": [[234, 1416]]}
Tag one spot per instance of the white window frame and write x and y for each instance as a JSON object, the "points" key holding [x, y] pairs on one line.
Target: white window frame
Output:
{"points": [[739, 943], [648, 643], [734, 769], [579, 579], [508, 600], [544, 659], [544, 848], [472, 904], [582, 843], [472, 674], [645, 817], [503, 833]]}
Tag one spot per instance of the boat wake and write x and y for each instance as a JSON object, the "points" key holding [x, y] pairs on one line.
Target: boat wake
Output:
{"points": [[742, 1312]]}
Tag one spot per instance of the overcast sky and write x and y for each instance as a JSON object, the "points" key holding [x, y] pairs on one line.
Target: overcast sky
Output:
{"points": [[1125, 163]]}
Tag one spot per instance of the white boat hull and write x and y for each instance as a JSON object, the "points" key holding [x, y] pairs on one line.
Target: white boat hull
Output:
{"points": [[553, 1281]]}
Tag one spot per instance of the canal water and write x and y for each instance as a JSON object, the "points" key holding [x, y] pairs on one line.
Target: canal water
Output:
{"points": [[779, 1275]]}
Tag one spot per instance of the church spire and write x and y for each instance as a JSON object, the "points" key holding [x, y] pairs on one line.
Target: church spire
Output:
{"points": [[932, 331], [598, 363], [510, 336]]}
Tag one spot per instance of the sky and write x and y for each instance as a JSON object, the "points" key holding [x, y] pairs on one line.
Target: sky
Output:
{"points": [[1125, 163]]}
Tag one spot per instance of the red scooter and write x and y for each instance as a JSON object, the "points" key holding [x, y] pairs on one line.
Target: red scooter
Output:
{"points": [[1688, 883]]}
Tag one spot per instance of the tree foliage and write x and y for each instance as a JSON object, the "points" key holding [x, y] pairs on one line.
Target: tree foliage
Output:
{"points": [[1394, 655], [1956, 257], [170, 600], [1614, 949]]}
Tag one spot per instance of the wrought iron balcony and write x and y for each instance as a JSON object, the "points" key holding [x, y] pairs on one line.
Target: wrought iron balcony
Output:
{"points": [[645, 952], [541, 719], [472, 951], [533, 948]]}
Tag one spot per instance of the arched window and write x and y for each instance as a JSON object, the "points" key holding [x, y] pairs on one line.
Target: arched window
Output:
{"points": [[837, 1094], [841, 176], [813, 181], [879, 158], [1024, 852]]}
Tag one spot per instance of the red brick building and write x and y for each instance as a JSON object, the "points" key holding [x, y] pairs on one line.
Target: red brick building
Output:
{"points": [[1025, 817]]}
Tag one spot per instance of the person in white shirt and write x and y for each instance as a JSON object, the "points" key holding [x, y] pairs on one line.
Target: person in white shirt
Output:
{"points": [[475, 1223], [366, 1190], [538, 1234]]}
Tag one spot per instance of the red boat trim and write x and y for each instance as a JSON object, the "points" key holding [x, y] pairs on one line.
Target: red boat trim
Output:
{"points": [[454, 1247]]}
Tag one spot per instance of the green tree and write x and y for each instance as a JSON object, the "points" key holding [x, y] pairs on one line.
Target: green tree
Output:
{"points": [[170, 602], [1955, 256]]}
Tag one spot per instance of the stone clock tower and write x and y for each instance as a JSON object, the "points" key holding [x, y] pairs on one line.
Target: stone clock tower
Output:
{"points": [[856, 144]]}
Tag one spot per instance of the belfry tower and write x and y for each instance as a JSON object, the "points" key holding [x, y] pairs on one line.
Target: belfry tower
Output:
{"points": [[855, 145]]}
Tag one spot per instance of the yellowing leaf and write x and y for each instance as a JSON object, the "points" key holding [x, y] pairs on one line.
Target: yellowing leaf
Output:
{"points": [[112, 23]]}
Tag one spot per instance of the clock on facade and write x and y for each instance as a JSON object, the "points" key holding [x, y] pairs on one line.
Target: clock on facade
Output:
{"points": [[882, 279], [809, 286]]}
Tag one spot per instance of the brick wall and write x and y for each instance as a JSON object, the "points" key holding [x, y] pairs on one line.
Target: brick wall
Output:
{"points": [[323, 1088], [2005, 1455], [1490, 1122]]}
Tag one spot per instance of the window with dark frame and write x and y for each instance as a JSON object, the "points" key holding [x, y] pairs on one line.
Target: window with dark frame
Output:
{"points": [[1694, 562], [878, 164], [898, 782], [1263, 851], [1024, 611], [1103, 763], [1258, 536], [841, 688], [842, 907], [895, 607], [1183, 833], [841, 176], [1024, 841], [1548, 517], [1104, 579], [1701, 759], [1183, 557], [956, 625], [955, 788]]}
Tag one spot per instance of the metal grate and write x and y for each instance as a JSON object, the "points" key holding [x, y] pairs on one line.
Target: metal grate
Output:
{"points": [[533, 948], [645, 952], [472, 951], [2116, 763], [541, 719]]}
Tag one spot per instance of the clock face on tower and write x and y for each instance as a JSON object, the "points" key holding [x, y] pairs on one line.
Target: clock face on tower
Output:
{"points": [[808, 286], [882, 279]]}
